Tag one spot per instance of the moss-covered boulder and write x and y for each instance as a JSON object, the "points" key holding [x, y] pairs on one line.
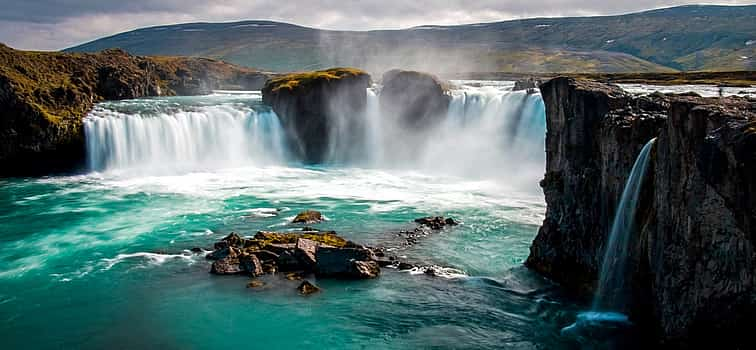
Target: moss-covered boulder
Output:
{"points": [[308, 217], [415, 98], [309, 103]]}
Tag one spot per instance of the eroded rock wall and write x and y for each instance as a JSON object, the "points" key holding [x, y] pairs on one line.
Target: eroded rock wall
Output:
{"points": [[692, 259]]}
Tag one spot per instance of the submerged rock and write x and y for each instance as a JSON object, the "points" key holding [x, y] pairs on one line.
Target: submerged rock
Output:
{"points": [[308, 217], [436, 222], [255, 284], [307, 288]]}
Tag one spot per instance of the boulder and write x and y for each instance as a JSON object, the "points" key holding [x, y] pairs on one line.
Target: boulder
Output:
{"points": [[279, 248], [436, 222], [305, 252], [228, 265], [288, 261], [366, 269], [232, 240], [218, 254], [308, 217], [307, 288], [415, 98], [265, 256], [350, 263], [310, 103], [255, 284], [250, 264]]}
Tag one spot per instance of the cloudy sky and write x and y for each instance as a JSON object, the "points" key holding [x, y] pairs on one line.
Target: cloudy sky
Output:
{"points": [[56, 24]]}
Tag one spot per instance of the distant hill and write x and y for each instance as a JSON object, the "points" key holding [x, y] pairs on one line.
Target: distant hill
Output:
{"points": [[698, 37]]}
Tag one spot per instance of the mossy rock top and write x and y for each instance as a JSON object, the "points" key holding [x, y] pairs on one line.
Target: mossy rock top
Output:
{"points": [[299, 80], [405, 76]]}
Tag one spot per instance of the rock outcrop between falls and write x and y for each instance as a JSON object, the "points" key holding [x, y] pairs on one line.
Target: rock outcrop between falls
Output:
{"points": [[309, 103], [45, 95], [693, 264], [416, 98]]}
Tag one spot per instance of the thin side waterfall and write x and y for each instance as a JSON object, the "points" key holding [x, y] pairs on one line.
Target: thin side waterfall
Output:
{"points": [[607, 312], [610, 295]]}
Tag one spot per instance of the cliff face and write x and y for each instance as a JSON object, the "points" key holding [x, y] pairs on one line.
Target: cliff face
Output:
{"points": [[692, 260], [308, 104], [414, 97], [45, 95], [701, 252]]}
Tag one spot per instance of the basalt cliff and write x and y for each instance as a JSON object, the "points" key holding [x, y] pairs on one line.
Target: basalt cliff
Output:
{"points": [[44, 97], [692, 261]]}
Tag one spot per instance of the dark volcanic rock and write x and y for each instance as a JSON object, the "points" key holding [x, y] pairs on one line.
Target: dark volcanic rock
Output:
{"points": [[228, 265], [525, 84], [346, 263], [288, 261], [265, 255], [305, 252], [308, 217], [416, 98], [309, 104], [436, 222], [232, 240], [691, 262], [250, 264], [307, 288]]}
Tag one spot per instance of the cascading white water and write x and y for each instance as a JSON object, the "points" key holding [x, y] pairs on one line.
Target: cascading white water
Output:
{"points": [[612, 283], [609, 302], [488, 131], [185, 138]]}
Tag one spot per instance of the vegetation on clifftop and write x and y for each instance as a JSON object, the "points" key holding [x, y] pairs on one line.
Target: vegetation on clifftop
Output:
{"points": [[303, 79], [44, 96]]}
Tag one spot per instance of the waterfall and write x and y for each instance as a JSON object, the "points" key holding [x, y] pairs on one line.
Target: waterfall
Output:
{"points": [[488, 131], [180, 139], [608, 304], [611, 288]]}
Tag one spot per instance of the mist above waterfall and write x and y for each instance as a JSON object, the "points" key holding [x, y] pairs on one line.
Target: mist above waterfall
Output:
{"points": [[488, 132]]}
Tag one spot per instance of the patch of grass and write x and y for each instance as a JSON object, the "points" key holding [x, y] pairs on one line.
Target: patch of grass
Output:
{"points": [[295, 80]]}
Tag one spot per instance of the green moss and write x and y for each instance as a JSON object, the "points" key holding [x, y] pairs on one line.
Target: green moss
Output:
{"points": [[264, 238], [295, 80]]}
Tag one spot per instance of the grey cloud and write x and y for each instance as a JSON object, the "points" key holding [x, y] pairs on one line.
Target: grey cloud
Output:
{"points": [[55, 24]]}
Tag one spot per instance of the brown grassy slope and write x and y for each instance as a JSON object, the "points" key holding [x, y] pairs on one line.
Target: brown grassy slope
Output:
{"points": [[45, 95]]}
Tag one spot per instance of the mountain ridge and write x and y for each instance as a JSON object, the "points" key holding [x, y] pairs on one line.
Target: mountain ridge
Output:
{"points": [[692, 37]]}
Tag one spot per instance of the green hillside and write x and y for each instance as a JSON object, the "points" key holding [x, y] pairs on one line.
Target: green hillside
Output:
{"points": [[679, 38]]}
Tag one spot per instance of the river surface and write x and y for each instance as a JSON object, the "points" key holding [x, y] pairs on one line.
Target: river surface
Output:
{"points": [[102, 259]]}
